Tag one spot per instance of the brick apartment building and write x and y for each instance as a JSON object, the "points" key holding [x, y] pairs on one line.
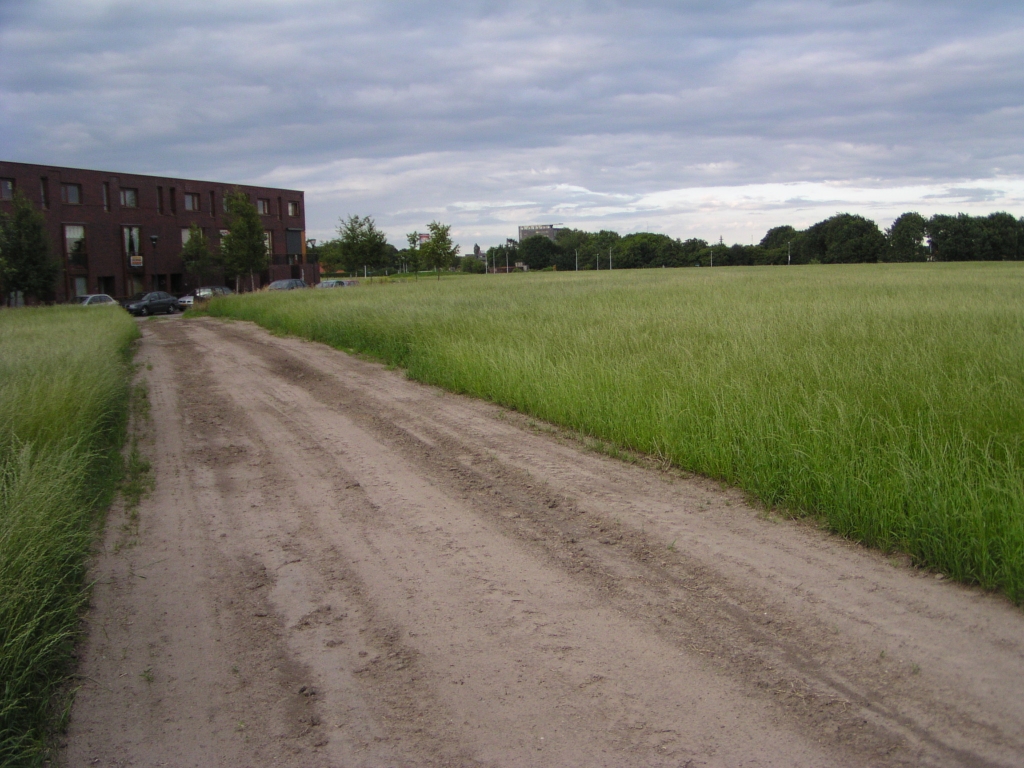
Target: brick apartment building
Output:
{"points": [[121, 233]]}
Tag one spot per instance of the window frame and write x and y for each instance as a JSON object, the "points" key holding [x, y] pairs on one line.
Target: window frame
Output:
{"points": [[293, 208], [80, 251], [66, 187], [263, 206], [7, 188], [137, 255], [129, 192]]}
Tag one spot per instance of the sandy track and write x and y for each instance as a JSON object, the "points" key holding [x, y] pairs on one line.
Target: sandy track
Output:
{"points": [[340, 567]]}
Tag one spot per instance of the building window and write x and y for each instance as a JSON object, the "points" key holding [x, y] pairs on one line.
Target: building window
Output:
{"points": [[186, 233], [71, 194], [224, 202], [129, 198], [268, 241], [173, 194], [132, 246], [44, 193], [74, 242], [263, 205], [106, 196], [81, 286], [6, 189], [293, 208], [159, 199], [192, 202], [213, 204]]}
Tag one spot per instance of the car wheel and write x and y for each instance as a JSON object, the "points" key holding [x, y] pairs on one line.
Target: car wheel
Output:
{"points": [[144, 311]]}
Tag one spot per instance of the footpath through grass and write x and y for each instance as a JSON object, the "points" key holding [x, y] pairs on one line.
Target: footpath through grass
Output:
{"points": [[64, 376], [887, 400]]}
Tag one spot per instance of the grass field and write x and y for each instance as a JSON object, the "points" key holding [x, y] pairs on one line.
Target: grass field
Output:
{"points": [[886, 400], [63, 392]]}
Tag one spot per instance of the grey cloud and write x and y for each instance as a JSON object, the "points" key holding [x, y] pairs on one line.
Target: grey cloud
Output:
{"points": [[453, 108]]}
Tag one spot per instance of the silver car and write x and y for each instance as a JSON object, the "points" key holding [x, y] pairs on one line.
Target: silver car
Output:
{"points": [[93, 300]]}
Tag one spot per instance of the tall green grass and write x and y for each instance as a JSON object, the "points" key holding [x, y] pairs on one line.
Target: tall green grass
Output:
{"points": [[887, 400], [63, 392]]}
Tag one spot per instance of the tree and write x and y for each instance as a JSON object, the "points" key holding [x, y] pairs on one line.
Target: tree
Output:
{"points": [[196, 255], [778, 237], [472, 264], [362, 244], [331, 255], [845, 238], [26, 261], [438, 252], [244, 248], [905, 238], [538, 252], [413, 257]]}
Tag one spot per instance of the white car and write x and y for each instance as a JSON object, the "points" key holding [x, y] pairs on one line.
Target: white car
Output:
{"points": [[93, 300]]}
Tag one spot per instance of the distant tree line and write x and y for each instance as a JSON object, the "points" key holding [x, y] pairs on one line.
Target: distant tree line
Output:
{"points": [[841, 239]]}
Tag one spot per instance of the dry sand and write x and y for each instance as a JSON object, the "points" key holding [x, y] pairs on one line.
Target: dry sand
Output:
{"points": [[341, 567]]}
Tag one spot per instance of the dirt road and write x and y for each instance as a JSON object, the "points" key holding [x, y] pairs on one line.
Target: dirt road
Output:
{"points": [[340, 567]]}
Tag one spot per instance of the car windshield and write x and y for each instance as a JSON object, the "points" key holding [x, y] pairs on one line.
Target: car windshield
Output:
{"points": [[137, 297], [80, 299]]}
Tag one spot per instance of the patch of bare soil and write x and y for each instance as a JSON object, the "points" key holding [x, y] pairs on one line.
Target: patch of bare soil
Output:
{"points": [[341, 567]]}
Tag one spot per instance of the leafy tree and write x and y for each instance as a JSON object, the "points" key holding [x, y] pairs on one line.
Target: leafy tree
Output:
{"points": [[905, 238], [778, 237], [845, 238], [330, 255], [196, 255], [438, 252], [1001, 237], [244, 248], [472, 264], [362, 244], [503, 255], [26, 261], [953, 238], [538, 252], [413, 257]]}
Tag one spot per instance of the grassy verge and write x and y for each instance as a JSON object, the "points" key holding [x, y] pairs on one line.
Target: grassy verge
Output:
{"points": [[887, 400], [63, 398]]}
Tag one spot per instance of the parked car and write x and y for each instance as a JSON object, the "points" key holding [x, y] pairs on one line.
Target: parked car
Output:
{"points": [[334, 282], [207, 292], [93, 300], [151, 303], [286, 285]]}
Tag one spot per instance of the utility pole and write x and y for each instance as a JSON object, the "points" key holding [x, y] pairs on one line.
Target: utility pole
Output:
{"points": [[577, 259], [609, 258], [789, 253]]}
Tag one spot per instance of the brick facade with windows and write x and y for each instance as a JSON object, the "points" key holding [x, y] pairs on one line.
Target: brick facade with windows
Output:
{"points": [[102, 226]]}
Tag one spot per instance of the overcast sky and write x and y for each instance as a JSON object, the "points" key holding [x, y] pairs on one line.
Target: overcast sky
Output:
{"points": [[696, 119]]}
